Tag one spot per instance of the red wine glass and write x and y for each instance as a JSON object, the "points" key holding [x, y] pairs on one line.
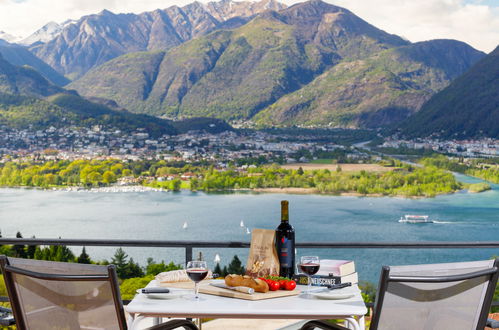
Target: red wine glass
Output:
{"points": [[196, 271], [309, 265]]}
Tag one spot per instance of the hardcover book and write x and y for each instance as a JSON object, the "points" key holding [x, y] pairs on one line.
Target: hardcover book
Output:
{"points": [[325, 280], [336, 267]]}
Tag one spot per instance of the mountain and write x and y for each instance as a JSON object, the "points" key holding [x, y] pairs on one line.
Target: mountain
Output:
{"points": [[46, 33], [27, 98], [95, 39], [376, 91], [18, 55], [24, 80], [468, 107], [312, 63]]}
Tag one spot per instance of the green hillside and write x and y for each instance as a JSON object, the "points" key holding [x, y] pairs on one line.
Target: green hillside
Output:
{"points": [[24, 80], [468, 107], [234, 74], [20, 56], [382, 89]]}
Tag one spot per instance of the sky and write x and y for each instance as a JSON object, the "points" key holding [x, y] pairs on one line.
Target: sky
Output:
{"points": [[475, 22]]}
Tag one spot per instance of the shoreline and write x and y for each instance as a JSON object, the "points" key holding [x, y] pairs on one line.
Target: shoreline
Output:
{"points": [[313, 191], [110, 189], [288, 190]]}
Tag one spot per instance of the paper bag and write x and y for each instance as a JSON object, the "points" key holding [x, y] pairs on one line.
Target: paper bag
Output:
{"points": [[262, 259]]}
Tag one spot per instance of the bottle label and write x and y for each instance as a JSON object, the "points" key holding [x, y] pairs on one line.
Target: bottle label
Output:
{"points": [[286, 252]]}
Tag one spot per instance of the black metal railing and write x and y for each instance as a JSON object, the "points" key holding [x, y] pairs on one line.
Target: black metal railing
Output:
{"points": [[190, 245]]}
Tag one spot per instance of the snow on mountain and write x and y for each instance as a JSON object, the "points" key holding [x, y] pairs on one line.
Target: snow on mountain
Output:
{"points": [[48, 32]]}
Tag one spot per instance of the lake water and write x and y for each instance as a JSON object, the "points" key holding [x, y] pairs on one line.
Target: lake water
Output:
{"points": [[161, 215]]}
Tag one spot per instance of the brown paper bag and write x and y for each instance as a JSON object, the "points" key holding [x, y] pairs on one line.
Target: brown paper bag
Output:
{"points": [[262, 259]]}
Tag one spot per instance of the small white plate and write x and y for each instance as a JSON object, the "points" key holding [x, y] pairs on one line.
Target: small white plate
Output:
{"points": [[333, 295], [170, 295], [344, 293]]}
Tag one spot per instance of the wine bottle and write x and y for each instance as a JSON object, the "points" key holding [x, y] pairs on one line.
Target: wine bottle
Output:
{"points": [[285, 243]]}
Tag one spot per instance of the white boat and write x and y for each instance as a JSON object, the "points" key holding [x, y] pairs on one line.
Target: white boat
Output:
{"points": [[185, 225], [411, 218], [248, 231], [242, 223]]}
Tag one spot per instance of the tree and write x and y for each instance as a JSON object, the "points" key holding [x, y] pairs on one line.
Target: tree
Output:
{"points": [[175, 185], [132, 269], [108, 177], [64, 254], [218, 270], [84, 258], [235, 266], [19, 250], [153, 268], [126, 269], [119, 259]]}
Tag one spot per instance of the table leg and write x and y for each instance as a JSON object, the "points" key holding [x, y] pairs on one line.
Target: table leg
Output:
{"points": [[362, 322], [353, 324], [198, 323]]}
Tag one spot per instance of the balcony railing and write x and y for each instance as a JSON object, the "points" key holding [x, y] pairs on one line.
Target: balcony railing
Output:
{"points": [[190, 245]]}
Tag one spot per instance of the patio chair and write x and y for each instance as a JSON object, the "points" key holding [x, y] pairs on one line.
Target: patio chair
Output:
{"points": [[435, 296], [59, 295]]}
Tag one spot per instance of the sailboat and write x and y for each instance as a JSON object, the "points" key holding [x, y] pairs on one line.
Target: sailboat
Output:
{"points": [[185, 225], [242, 223], [248, 231]]}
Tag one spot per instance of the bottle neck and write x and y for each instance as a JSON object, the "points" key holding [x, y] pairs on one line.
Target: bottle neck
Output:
{"points": [[284, 211]]}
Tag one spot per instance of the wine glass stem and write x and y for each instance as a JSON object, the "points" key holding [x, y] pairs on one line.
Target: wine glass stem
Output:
{"points": [[196, 290], [309, 283]]}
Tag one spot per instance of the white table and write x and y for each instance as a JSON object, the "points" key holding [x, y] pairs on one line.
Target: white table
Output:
{"points": [[296, 307]]}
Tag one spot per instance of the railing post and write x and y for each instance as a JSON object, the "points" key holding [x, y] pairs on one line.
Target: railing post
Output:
{"points": [[188, 253]]}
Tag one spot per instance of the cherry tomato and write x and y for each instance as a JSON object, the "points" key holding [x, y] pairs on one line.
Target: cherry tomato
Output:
{"points": [[274, 286], [282, 284], [290, 285]]}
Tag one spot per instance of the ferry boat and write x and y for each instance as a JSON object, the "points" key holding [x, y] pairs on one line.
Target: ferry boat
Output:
{"points": [[410, 218]]}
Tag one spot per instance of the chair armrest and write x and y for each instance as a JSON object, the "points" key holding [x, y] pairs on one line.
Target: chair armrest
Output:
{"points": [[174, 324], [322, 325]]}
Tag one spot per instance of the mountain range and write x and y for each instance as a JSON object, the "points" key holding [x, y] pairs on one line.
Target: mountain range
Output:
{"points": [[95, 39], [27, 99], [311, 64]]}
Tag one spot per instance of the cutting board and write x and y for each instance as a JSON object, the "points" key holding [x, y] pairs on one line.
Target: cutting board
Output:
{"points": [[205, 287]]}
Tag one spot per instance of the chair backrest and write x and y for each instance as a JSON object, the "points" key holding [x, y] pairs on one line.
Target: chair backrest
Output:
{"points": [[59, 295], [435, 296]]}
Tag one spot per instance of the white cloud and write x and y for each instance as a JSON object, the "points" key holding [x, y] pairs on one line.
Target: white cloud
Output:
{"points": [[474, 23], [470, 21]]}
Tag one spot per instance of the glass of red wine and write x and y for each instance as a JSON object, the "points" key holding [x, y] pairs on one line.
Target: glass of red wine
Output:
{"points": [[309, 265], [196, 271]]}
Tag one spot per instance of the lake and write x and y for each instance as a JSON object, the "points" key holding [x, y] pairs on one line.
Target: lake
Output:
{"points": [[161, 215]]}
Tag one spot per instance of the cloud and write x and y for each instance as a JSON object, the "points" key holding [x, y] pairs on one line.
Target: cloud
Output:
{"points": [[474, 21]]}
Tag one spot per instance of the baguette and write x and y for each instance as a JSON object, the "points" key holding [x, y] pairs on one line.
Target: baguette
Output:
{"points": [[247, 281]]}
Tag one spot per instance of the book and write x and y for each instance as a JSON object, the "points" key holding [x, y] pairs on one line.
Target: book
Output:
{"points": [[325, 280], [336, 267]]}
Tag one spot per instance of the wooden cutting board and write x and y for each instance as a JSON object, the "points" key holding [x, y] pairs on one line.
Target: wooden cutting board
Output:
{"points": [[205, 287]]}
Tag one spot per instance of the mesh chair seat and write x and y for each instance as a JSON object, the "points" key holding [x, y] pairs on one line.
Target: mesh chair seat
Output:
{"points": [[435, 296], [57, 295]]}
